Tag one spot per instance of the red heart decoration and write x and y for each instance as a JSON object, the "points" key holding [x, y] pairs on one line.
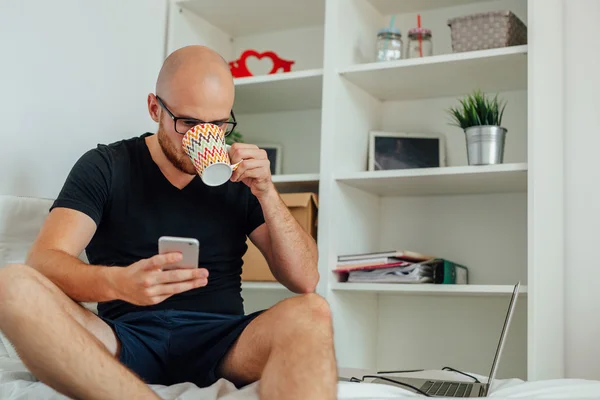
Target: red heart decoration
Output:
{"points": [[239, 68]]}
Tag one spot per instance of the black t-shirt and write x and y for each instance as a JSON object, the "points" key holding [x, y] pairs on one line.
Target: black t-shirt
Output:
{"points": [[121, 188]]}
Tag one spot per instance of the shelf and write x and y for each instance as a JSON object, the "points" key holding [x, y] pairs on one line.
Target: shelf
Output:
{"points": [[242, 18], [296, 178], [288, 91], [454, 74], [297, 183], [263, 286], [428, 289], [501, 178], [388, 7]]}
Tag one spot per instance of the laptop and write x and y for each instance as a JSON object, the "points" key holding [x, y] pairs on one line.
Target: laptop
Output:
{"points": [[442, 388]]}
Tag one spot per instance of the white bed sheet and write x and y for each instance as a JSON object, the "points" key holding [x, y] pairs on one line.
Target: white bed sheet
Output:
{"points": [[17, 383]]}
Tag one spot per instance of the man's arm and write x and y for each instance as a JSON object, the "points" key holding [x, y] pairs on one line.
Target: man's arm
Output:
{"points": [[63, 237], [71, 225], [289, 250]]}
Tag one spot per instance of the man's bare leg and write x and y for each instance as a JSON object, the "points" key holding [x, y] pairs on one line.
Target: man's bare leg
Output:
{"points": [[290, 349], [64, 345]]}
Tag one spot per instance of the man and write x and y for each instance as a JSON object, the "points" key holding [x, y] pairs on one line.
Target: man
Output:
{"points": [[158, 326]]}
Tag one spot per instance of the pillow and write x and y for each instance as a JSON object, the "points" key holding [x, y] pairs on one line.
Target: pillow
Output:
{"points": [[21, 219], [3, 346], [8, 347]]}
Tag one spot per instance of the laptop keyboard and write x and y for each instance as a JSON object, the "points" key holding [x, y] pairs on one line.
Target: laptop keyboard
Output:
{"points": [[447, 389]]}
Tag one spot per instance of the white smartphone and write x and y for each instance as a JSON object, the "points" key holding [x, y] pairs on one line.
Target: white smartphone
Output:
{"points": [[188, 247]]}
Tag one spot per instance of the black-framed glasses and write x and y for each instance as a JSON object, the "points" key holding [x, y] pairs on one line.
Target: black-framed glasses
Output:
{"points": [[184, 124]]}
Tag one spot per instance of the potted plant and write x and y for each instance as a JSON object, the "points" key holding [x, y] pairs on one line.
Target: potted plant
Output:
{"points": [[480, 117], [234, 137]]}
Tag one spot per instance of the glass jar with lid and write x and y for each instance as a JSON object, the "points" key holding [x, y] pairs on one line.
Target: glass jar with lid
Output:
{"points": [[419, 43], [389, 44]]}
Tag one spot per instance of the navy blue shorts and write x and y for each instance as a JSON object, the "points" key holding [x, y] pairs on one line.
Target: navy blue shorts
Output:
{"points": [[167, 347]]}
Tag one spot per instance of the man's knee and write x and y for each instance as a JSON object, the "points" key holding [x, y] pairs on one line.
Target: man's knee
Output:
{"points": [[316, 306], [305, 312]]}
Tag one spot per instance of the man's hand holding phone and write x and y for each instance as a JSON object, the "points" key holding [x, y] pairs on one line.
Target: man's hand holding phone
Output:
{"points": [[146, 282]]}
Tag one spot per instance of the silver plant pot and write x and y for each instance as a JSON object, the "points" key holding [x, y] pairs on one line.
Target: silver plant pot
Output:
{"points": [[485, 144]]}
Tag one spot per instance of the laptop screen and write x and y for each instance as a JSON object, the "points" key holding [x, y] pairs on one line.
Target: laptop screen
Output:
{"points": [[507, 320]]}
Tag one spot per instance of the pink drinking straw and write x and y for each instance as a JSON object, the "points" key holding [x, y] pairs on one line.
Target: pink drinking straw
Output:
{"points": [[420, 35]]}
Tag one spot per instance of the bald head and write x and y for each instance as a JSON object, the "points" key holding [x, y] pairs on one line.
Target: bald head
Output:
{"points": [[193, 76], [194, 84]]}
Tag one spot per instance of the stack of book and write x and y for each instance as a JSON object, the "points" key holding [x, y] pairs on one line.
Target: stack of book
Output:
{"points": [[399, 267]]}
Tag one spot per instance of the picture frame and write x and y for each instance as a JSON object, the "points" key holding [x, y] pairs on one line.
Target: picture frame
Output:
{"points": [[402, 150], [274, 154]]}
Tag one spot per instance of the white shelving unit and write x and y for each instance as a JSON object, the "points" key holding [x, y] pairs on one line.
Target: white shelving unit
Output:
{"points": [[243, 18], [261, 295], [430, 290], [387, 7], [295, 183], [263, 286], [296, 178], [279, 92], [446, 75], [502, 178], [502, 221]]}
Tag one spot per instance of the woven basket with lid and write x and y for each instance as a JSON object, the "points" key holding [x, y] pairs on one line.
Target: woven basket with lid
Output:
{"points": [[487, 30]]}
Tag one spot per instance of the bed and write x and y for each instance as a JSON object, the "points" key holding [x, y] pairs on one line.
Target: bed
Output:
{"points": [[16, 382], [21, 219]]}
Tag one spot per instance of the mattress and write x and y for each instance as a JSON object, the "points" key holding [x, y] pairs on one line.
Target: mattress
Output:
{"points": [[16, 382]]}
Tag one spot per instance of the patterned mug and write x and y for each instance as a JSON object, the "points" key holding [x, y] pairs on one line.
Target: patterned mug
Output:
{"points": [[205, 145]]}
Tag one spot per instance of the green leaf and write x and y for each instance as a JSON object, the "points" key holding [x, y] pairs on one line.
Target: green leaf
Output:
{"points": [[501, 114], [477, 109]]}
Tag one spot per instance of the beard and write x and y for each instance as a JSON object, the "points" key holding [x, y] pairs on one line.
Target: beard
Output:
{"points": [[179, 159]]}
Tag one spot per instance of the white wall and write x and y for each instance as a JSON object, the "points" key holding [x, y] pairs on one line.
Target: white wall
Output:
{"points": [[582, 188], [188, 28], [73, 74]]}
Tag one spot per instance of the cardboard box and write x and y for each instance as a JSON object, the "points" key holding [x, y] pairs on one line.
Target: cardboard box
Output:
{"points": [[304, 208]]}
